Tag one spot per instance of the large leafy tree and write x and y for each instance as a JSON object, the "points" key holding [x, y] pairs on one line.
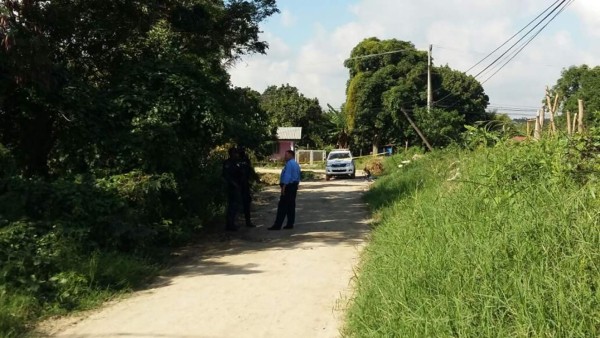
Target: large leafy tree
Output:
{"points": [[379, 83], [387, 76], [121, 84], [580, 83], [288, 107], [458, 92]]}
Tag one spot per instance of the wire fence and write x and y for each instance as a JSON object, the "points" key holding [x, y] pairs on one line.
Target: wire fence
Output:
{"points": [[310, 156]]}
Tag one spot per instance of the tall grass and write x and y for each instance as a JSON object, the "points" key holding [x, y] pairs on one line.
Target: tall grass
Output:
{"points": [[509, 247]]}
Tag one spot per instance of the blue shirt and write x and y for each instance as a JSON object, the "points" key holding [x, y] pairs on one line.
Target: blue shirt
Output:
{"points": [[290, 173]]}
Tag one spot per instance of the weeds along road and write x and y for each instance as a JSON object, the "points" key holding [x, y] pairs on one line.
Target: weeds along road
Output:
{"points": [[253, 283]]}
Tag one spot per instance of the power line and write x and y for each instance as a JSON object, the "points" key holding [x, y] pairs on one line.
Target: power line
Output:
{"points": [[512, 109], [512, 37], [379, 54], [521, 39], [470, 52], [556, 5], [528, 41], [512, 105]]}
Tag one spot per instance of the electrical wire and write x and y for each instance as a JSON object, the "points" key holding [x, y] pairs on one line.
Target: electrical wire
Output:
{"points": [[555, 6], [521, 39], [527, 42], [379, 54], [471, 52], [512, 37]]}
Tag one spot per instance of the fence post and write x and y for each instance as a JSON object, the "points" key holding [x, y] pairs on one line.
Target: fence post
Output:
{"points": [[569, 131], [580, 117], [538, 127]]}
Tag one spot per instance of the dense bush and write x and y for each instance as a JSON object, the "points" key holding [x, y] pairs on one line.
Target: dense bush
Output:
{"points": [[66, 242], [7, 163], [108, 127]]}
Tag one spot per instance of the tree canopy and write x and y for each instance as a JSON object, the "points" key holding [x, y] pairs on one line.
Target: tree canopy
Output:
{"points": [[113, 120], [389, 75], [129, 81], [288, 107], [580, 83]]}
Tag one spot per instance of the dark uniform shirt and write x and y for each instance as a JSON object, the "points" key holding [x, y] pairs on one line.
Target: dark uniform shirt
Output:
{"points": [[232, 173], [246, 170]]}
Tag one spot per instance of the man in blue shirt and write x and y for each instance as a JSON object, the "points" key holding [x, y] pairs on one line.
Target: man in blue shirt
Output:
{"points": [[289, 180]]}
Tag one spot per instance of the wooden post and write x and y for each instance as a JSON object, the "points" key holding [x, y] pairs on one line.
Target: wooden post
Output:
{"points": [[552, 108], [542, 119], [537, 128], [549, 104], [580, 117], [528, 128], [574, 126], [406, 145], [417, 130], [569, 130]]}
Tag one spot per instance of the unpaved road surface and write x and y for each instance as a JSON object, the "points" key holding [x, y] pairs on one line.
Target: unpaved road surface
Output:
{"points": [[253, 283]]}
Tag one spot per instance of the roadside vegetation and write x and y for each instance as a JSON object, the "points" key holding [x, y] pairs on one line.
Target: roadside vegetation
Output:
{"points": [[496, 242], [112, 133], [113, 130]]}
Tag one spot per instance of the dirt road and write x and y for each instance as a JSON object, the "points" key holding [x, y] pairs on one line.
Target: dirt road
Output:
{"points": [[255, 283]]}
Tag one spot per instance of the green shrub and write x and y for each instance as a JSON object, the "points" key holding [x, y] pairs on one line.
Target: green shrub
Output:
{"points": [[146, 206], [68, 243], [117, 271], [7, 163], [15, 311]]}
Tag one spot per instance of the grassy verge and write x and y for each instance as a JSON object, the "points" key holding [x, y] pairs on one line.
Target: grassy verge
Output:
{"points": [[497, 243]]}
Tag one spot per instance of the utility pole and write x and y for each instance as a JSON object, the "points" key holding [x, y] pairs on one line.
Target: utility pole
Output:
{"points": [[417, 130], [429, 89]]}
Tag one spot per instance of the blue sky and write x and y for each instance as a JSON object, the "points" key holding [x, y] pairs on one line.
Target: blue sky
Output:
{"points": [[306, 15], [309, 40]]}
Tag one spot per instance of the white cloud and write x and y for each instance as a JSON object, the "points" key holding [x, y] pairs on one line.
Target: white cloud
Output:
{"points": [[259, 71], [589, 11], [287, 19], [463, 31]]}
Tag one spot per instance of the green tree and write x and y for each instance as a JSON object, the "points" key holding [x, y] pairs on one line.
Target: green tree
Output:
{"points": [[111, 117], [79, 93], [456, 91], [250, 126], [287, 107], [441, 126], [580, 83], [389, 75], [378, 85]]}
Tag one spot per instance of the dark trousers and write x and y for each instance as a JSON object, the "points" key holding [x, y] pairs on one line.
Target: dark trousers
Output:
{"points": [[287, 206], [232, 207], [246, 203]]}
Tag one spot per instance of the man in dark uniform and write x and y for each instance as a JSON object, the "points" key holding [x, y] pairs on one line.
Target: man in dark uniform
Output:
{"points": [[232, 176], [247, 176]]}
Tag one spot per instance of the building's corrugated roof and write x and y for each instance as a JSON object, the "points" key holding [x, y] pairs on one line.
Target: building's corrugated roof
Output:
{"points": [[289, 133]]}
